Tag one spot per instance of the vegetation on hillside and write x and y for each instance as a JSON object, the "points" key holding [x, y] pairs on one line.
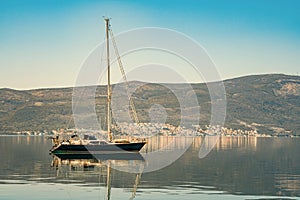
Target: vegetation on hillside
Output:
{"points": [[267, 103]]}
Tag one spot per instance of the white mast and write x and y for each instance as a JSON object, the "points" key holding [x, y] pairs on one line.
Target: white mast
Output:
{"points": [[108, 117]]}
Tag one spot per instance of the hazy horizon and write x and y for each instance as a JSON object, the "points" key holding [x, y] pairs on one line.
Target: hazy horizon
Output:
{"points": [[71, 86]]}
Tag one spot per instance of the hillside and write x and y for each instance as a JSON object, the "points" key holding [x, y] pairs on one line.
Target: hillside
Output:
{"points": [[268, 103]]}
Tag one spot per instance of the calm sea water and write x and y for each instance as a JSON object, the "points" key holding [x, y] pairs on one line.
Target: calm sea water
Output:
{"points": [[237, 168]]}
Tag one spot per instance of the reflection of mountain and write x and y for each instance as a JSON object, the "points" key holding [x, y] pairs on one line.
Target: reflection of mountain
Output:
{"points": [[247, 165], [268, 103], [241, 143], [223, 143], [288, 182], [167, 143], [264, 166]]}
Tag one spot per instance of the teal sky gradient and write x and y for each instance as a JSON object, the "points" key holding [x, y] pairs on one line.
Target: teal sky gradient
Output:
{"points": [[44, 42]]}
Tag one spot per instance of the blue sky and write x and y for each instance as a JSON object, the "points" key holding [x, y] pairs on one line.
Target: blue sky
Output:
{"points": [[44, 42]]}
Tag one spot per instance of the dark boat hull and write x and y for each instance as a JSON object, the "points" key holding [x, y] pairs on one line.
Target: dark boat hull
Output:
{"points": [[99, 156], [97, 149]]}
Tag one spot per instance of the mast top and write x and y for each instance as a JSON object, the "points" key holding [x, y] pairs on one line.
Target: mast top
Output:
{"points": [[107, 19]]}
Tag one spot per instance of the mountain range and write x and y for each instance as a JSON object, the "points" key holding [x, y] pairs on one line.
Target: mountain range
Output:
{"points": [[268, 103]]}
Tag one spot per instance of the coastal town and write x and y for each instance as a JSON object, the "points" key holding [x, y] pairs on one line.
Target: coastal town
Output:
{"points": [[152, 129]]}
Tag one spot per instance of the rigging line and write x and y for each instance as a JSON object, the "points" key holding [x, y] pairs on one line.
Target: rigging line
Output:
{"points": [[137, 182], [71, 112], [133, 113]]}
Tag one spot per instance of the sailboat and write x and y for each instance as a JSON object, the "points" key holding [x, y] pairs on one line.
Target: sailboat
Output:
{"points": [[73, 146]]}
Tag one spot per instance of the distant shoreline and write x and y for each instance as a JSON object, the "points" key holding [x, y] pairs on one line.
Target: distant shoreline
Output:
{"points": [[228, 136]]}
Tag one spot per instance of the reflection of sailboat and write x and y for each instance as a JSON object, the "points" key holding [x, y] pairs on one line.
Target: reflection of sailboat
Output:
{"points": [[106, 165], [108, 184], [73, 146]]}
